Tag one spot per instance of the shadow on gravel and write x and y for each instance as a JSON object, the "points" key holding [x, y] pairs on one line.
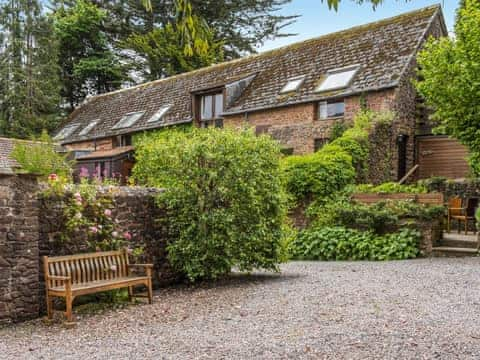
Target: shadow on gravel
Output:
{"points": [[236, 280]]}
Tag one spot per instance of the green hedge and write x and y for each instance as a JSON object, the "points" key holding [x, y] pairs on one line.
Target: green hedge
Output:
{"points": [[340, 243], [224, 196]]}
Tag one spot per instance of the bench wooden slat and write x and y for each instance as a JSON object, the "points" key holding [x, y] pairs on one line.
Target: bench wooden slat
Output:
{"points": [[73, 275]]}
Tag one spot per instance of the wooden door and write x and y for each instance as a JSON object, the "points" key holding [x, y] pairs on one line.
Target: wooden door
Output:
{"points": [[441, 156]]}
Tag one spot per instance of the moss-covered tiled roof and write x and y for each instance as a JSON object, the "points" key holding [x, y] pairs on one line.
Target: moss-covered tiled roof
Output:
{"points": [[383, 50]]}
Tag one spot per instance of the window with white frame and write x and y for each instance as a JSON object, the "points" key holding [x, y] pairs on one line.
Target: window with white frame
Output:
{"points": [[128, 120], [159, 114], [293, 84], [89, 128], [337, 79], [327, 109]]}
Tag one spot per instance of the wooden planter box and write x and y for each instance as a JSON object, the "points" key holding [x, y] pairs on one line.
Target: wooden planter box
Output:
{"points": [[433, 198]]}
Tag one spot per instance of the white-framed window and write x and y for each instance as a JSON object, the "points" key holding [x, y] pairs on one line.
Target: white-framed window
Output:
{"points": [[66, 131], [293, 84], [159, 114], [337, 79], [211, 106], [88, 128], [327, 109], [128, 120]]}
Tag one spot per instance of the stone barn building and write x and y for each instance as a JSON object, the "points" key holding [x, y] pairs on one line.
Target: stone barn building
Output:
{"points": [[296, 94]]}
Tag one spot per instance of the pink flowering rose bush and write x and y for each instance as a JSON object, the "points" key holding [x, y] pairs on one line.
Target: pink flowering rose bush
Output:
{"points": [[89, 215]]}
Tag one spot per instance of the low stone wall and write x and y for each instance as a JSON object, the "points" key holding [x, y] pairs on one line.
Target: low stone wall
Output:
{"points": [[31, 225], [18, 248], [136, 212], [449, 188]]}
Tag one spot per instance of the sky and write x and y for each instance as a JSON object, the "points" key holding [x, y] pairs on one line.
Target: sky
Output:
{"points": [[316, 19]]}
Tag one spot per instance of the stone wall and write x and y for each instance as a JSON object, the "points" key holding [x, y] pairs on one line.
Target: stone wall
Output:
{"points": [[18, 248], [135, 210], [31, 227]]}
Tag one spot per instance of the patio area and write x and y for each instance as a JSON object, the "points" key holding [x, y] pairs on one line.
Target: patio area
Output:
{"points": [[428, 308]]}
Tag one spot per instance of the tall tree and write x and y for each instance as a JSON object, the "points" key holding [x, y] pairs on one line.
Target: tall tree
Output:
{"points": [[29, 83], [450, 80], [89, 64]]}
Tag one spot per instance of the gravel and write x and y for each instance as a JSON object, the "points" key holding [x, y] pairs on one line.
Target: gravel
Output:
{"points": [[427, 308]]}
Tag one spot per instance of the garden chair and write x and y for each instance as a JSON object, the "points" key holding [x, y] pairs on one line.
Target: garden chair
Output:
{"points": [[461, 213]]}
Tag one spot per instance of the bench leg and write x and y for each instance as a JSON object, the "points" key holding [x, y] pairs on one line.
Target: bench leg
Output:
{"points": [[49, 307], [130, 293], [69, 306], [150, 291]]}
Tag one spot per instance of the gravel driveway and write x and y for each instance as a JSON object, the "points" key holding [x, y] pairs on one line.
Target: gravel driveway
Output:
{"points": [[426, 308]]}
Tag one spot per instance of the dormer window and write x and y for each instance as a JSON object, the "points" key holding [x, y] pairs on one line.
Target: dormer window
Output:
{"points": [[337, 79], [211, 109], [293, 84]]}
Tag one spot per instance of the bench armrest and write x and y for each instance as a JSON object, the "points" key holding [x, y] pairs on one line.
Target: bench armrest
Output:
{"points": [[148, 268]]}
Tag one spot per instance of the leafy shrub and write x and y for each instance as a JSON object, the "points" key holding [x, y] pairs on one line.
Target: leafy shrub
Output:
{"points": [[317, 175], [381, 217], [224, 195], [336, 165], [391, 188], [338, 128], [340, 243], [41, 158]]}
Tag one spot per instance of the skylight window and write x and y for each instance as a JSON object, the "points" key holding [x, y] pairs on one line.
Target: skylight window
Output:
{"points": [[159, 114], [89, 127], [128, 120], [292, 84], [338, 78], [66, 131]]}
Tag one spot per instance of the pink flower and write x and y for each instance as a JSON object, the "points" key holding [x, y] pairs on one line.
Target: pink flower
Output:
{"points": [[77, 196], [83, 172], [130, 251], [94, 229], [52, 177], [108, 212], [127, 235]]}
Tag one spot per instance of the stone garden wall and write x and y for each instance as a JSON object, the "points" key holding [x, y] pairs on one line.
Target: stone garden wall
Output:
{"points": [[31, 225], [19, 270]]}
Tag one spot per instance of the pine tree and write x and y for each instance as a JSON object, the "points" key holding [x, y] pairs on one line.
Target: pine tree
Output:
{"points": [[29, 84]]}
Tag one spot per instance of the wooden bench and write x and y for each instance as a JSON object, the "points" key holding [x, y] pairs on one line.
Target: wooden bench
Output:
{"points": [[74, 275]]}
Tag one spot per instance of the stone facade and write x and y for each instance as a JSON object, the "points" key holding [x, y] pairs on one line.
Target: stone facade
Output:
{"points": [[18, 248]]}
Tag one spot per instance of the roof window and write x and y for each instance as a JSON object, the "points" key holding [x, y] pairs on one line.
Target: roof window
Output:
{"points": [[66, 131], [89, 127], [128, 120], [293, 84], [159, 114], [337, 79]]}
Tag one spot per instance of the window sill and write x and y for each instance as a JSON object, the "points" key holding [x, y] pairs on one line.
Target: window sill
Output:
{"points": [[332, 118]]}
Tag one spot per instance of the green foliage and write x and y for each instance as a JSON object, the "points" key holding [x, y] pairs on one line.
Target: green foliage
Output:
{"points": [[87, 61], [450, 80], [391, 188], [340, 243], [88, 216], [336, 165], [163, 51], [41, 158], [338, 128], [381, 217], [224, 195], [318, 175], [29, 90]]}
